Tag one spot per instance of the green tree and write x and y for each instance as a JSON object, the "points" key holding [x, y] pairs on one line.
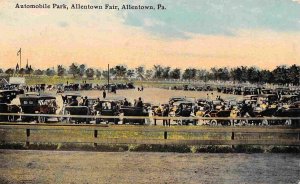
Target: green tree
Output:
{"points": [[38, 72], [294, 74], [22, 71], [253, 75], [120, 71], [244, 74], [166, 72], [202, 74], [235, 74], [90, 73], [149, 74], [266, 76], [81, 70], [98, 73], [73, 69], [223, 74], [158, 71], [140, 72], [175, 74], [9, 71], [112, 72], [130, 73], [214, 72], [61, 70], [280, 74], [50, 72], [189, 73], [105, 74]]}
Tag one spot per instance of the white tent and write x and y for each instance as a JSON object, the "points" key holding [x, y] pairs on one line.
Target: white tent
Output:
{"points": [[17, 80]]}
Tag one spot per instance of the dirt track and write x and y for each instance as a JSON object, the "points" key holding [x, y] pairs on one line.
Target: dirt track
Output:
{"points": [[129, 167], [153, 95]]}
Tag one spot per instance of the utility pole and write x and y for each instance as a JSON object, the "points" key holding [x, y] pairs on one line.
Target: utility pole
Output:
{"points": [[108, 78]]}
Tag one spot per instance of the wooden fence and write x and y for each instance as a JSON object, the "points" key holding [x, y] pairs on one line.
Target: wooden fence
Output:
{"points": [[156, 135]]}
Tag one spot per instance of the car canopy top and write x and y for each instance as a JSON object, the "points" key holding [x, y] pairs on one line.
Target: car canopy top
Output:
{"points": [[71, 94]]}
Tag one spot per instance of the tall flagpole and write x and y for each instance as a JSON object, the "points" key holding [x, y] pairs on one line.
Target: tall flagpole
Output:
{"points": [[20, 57]]}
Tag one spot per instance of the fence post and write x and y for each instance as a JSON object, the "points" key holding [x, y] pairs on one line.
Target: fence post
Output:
{"points": [[165, 135], [95, 136], [27, 137], [232, 138]]}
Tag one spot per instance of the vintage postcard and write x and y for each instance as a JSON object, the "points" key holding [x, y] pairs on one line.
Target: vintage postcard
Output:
{"points": [[149, 91]]}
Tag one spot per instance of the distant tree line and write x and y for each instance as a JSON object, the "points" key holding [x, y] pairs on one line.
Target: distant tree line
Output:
{"points": [[280, 75]]}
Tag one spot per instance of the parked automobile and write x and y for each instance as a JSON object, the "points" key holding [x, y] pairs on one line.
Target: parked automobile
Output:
{"points": [[107, 108], [134, 111], [77, 110], [44, 104], [8, 95], [183, 109]]}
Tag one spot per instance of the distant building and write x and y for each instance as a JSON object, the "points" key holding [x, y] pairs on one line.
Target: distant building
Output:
{"points": [[3, 82]]}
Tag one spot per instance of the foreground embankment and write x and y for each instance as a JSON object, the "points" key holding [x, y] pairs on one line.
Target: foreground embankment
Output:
{"points": [[127, 167]]}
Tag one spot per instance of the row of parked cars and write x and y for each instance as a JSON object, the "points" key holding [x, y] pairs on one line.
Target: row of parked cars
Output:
{"points": [[91, 86], [104, 107], [265, 105], [219, 111], [34, 103]]}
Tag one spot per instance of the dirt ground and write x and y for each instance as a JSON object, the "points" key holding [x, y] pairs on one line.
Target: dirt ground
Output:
{"points": [[129, 167], [157, 95], [153, 95]]}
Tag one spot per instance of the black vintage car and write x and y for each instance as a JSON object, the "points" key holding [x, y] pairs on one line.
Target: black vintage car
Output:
{"points": [[221, 114], [70, 99], [269, 98], [176, 99], [8, 95], [71, 87], [183, 109], [72, 107], [9, 108], [77, 110], [86, 86], [44, 104], [290, 112], [107, 108], [130, 85], [134, 111]]}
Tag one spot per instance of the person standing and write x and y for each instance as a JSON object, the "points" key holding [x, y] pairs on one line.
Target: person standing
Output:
{"points": [[86, 101], [165, 113], [104, 94], [139, 103], [126, 102]]}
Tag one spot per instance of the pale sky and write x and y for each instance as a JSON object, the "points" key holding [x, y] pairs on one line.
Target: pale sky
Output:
{"points": [[189, 33]]}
